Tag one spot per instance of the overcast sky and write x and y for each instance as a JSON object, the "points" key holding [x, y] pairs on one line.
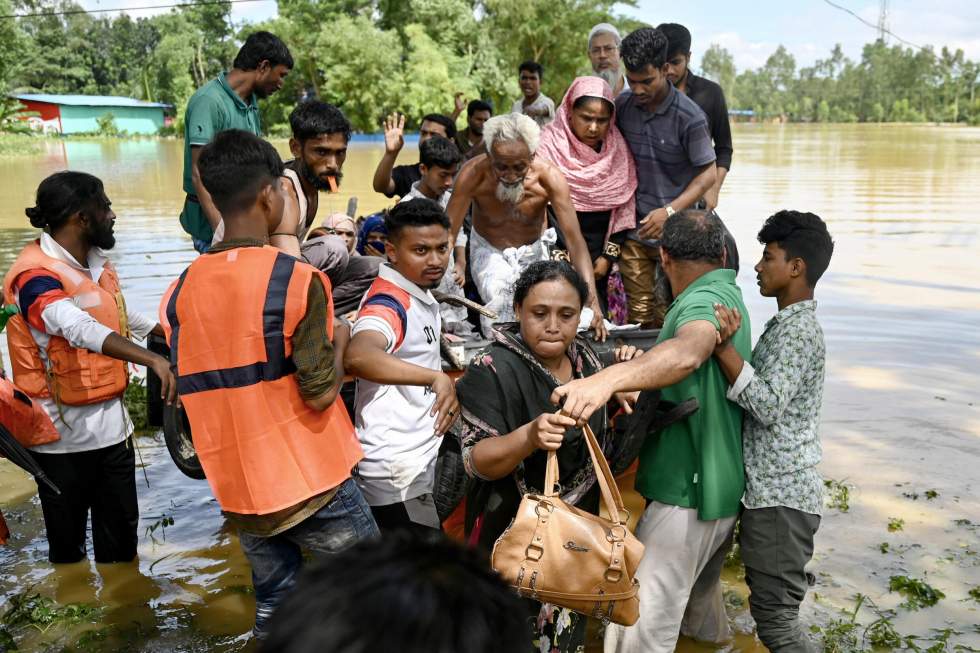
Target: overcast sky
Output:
{"points": [[752, 30]]}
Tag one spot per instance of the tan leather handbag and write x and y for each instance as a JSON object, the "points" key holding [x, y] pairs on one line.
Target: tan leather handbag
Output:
{"points": [[555, 553]]}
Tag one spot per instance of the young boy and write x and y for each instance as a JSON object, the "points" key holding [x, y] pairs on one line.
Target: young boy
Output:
{"points": [[404, 400], [275, 446], [781, 393], [439, 163]]}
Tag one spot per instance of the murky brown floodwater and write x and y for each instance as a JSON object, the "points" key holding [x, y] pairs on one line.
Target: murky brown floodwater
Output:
{"points": [[900, 308]]}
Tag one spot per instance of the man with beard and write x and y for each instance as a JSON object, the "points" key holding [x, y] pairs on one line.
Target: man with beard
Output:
{"points": [[69, 349], [229, 101], [604, 41], [510, 191]]}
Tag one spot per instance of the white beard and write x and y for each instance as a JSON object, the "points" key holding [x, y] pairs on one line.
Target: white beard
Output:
{"points": [[611, 76], [510, 194]]}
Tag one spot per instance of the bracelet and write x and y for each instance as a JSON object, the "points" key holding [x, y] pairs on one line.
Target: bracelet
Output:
{"points": [[283, 233], [611, 251]]}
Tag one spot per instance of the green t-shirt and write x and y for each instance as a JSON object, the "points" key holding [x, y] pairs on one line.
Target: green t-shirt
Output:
{"points": [[213, 108], [697, 462]]}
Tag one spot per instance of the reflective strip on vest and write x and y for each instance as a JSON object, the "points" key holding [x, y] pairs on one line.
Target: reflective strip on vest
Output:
{"points": [[276, 364]]}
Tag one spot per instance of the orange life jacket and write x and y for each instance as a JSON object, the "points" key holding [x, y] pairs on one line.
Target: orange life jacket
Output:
{"points": [[76, 377], [229, 319], [25, 420]]}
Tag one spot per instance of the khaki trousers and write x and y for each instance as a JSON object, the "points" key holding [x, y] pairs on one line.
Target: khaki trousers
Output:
{"points": [[673, 595], [639, 264]]}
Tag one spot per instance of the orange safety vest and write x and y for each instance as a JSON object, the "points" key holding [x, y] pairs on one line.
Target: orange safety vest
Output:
{"points": [[75, 377], [25, 420], [229, 319]]}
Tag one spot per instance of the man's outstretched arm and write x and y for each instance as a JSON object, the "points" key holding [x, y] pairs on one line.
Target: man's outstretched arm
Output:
{"points": [[666, 364]]}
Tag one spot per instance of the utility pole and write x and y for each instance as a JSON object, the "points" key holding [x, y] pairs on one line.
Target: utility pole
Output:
{"points": [[883, 21]]}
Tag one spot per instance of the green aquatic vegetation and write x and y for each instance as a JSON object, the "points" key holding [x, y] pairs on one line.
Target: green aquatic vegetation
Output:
{"points": [[884, 547], [841, 635], [931, 494], [974, 593], [895, 524], [161, 524], [29, 609], [881, 633], [838, 495], [918, 594], [135, 400]]}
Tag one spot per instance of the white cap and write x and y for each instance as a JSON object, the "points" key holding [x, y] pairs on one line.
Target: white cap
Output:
{"points": [[605, 28]]}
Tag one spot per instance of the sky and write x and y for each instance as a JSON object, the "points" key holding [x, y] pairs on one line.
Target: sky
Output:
{"points": [[809, 29], [751, 31]]}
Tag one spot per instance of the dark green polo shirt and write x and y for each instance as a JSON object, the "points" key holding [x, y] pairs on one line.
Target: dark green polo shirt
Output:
{"points": [[213, 108], [697, 462]]}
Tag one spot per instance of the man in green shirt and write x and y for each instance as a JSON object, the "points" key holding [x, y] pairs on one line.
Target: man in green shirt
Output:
{"points": [[692, 472], [229, 101]]}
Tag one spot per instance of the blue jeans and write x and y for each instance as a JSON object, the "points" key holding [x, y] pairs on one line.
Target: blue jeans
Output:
{"points": [[276, 560]]}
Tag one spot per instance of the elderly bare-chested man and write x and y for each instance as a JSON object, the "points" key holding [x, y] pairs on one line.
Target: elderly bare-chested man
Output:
{"points": [[509, 191]]}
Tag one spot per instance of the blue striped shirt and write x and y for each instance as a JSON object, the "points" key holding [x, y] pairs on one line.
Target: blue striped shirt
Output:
{"points": [[668, 145]]}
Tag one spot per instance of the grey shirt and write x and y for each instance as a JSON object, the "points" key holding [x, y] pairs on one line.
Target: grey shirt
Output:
{"points": [[781, 393], [668, 146]]}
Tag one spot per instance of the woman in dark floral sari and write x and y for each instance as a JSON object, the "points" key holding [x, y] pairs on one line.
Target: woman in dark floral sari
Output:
{"points": [[508, 422]]}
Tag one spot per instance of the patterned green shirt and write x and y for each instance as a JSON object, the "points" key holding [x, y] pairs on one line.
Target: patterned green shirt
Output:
{"points": [[781, 393]]}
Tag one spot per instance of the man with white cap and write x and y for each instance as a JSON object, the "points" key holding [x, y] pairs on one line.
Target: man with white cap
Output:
{"points": [[603, 52]]}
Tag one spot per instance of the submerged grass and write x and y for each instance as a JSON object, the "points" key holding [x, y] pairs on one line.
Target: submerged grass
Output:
{"points": [[838, 495], [918, 593], [29, 610]]}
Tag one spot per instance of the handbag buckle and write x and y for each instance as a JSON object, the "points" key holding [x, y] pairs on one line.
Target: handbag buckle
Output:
{"points": [[612, 535], [543, 504], [614, 575], [537, 549]]}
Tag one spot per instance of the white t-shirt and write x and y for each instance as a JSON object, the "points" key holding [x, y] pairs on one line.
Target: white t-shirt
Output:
{"points": [[393, 422], [541, 103]]}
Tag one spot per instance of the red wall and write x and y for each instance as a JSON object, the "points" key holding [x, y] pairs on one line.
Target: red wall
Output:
{"points": [[46, 110]]}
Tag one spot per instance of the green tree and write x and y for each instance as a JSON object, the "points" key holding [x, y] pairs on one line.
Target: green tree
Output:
{"points": [[364, 78], [719, 65]]}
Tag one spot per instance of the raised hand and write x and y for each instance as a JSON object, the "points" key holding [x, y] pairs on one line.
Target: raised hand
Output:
{"points": [[394, 126]]}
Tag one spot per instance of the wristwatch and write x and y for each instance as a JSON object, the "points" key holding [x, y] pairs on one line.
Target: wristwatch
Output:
{"points": [[670, 210]]}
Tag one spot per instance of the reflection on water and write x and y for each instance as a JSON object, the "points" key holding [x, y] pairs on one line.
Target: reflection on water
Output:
{"points": [[900, 308]]}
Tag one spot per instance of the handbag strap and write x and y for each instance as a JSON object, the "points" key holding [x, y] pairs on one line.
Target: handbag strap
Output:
{"points": [[607, 483]]}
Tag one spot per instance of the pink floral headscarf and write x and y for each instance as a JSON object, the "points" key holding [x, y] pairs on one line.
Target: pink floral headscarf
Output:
{"points": [[598, 181]]}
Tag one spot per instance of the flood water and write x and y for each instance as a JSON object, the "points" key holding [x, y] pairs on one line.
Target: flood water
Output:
{"points": [[900, 307]]}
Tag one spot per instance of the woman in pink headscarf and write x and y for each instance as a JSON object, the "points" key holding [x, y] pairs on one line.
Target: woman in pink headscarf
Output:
{"points": [[584, 143]]}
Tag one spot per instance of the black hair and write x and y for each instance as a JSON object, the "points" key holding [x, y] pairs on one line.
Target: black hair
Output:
{"points": [[420, 212], [235, 166], [644, 47], [440, 152], [445, 121], [63, 194], [314, 118], [404, 592], [262, 46], [801, 235], [477, 105], [582, 100], [694, 235], [678, 38], [541, 271], [532, 67]]}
